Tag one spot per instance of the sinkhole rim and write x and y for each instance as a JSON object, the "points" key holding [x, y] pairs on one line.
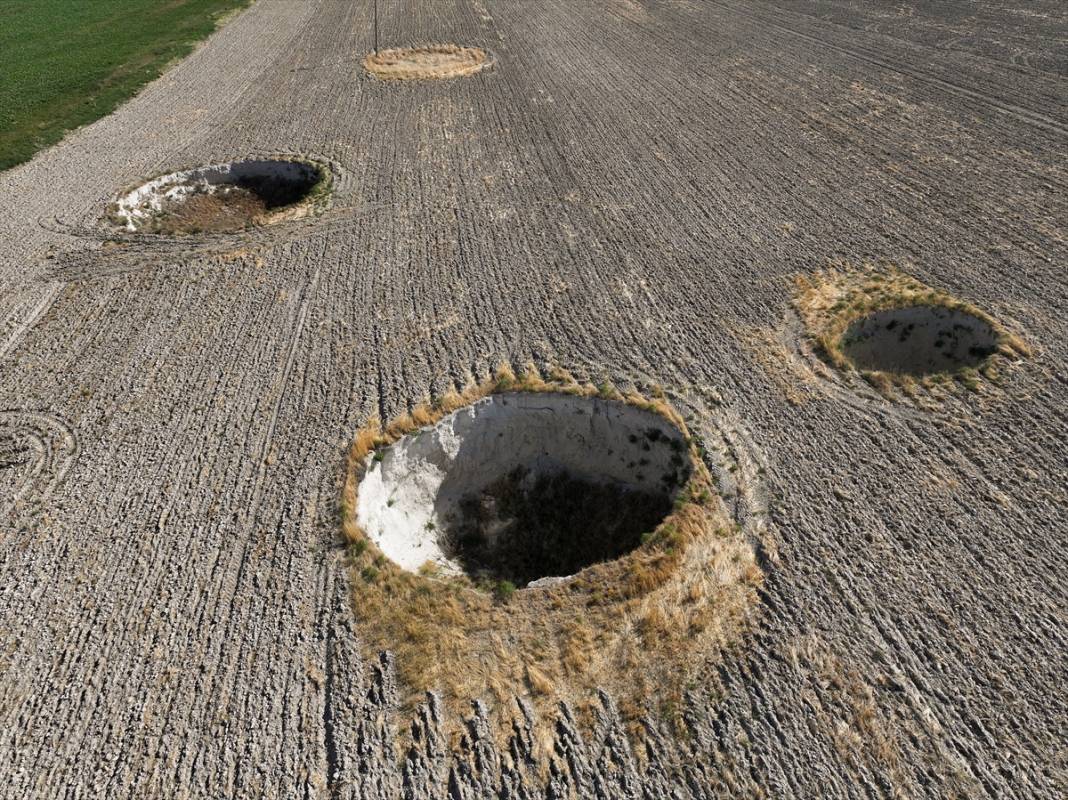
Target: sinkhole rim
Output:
{"points": [[963, 340], [470, 60], [833, 303], [685, 596], [629, 458], [139, 208]]}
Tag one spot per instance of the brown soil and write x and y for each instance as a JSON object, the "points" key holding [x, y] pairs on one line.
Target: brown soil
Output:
{"points": [[624, 200], [225, 210], [250, 201], [433, 61]]}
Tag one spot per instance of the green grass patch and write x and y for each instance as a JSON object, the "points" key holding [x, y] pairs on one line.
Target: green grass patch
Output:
{"points": [[65, 64]]}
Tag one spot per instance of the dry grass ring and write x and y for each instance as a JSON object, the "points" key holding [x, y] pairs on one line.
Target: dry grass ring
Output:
{"points": [[897, 332], [426, 63], [453, 509]]}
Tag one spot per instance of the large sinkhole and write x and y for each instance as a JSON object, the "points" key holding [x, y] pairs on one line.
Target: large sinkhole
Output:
{"points": [[523, 486], [919, 340], [221, 197]]}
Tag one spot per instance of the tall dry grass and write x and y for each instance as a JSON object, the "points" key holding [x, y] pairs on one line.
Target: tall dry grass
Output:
{"points": [[640, 626], [831, 300]]}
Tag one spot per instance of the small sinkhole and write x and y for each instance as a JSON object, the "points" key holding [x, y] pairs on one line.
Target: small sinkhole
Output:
{"points": [[524, 487], [221, 197], [426, 63], [919, 340]]}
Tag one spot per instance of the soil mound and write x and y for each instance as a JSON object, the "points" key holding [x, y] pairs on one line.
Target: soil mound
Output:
{"points": [[222, 197], [433, 61], [919, 340], [524, 486]]}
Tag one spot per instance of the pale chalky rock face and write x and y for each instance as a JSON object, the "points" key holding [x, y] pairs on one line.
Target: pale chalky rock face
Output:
{"points": [[418, 490]]}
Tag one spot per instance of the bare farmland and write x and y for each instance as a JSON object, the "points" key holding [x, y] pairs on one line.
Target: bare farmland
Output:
{"points": [[628, 192]]}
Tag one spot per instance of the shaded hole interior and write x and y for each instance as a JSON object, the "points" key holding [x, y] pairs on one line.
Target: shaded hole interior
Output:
{"points": [[523, 486], [919, 340], [219, 198], [527, 526]]}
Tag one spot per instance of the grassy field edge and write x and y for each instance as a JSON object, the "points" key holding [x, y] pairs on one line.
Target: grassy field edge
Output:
{"points": [[66, 66]]}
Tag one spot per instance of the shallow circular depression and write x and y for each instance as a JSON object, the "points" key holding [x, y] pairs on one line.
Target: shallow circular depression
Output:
{"points": [[432, 61], [221, 197], [919, 340], [523, 486]]}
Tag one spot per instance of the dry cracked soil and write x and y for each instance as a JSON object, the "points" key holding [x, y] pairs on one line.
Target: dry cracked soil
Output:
{"points": [[628, 193]]}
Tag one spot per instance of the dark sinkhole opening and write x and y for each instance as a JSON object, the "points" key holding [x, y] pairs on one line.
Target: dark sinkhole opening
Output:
{"points": [[524, 487], [527, 525], [221, 197], [919, 340]]}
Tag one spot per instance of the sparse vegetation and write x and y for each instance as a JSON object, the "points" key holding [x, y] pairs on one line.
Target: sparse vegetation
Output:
{"points": [[639, 625], [426, 62], [503, 591]]}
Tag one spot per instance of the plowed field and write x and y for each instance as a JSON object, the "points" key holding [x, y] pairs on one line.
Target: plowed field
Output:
{"points": [[627, 192]]}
